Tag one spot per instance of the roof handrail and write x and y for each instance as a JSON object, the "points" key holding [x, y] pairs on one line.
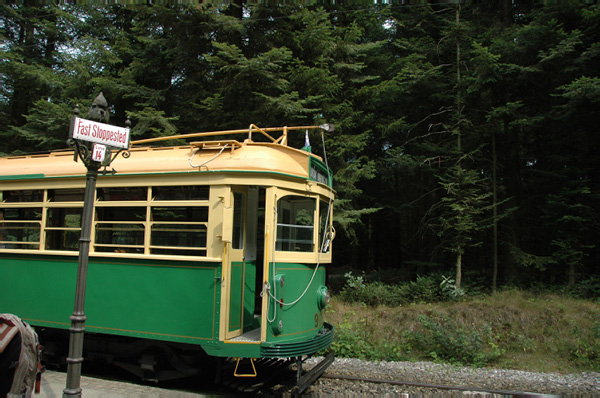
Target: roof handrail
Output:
{"points": [[253, 128]]}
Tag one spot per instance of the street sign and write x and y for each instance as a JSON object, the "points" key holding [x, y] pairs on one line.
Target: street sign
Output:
{"points": [[98, 153], [100, 133]]}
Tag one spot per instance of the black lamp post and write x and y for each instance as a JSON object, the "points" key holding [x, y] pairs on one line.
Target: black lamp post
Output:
{"points": [[94, 157]]}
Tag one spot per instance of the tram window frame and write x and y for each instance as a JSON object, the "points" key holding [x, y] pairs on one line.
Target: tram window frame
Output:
{"points": [[292, 209], [121, 194], [190, 238], [65, 195], [161, 220], [63, 231], [62, 222], [119, 237], [239, 217], [119, 229], [186, 193], [22, 231], [325, 223], [22, 196], [178, 239], [119, 219]]}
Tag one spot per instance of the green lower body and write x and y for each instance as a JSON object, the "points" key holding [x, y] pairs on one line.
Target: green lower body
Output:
{"points": [[151, 299]]}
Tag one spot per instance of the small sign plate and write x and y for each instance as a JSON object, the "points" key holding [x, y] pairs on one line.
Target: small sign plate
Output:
{"points": [[100, 133], [98, 153]]}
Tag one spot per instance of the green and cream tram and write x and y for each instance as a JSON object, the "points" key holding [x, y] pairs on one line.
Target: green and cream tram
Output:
{"points": [[219, 244]]}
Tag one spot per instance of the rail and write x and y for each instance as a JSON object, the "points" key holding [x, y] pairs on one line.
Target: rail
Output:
{"points": [[471, 389], [282, 140]]}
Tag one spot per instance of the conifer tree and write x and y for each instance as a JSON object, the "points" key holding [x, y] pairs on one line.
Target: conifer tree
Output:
{"points": [[458, 140]]}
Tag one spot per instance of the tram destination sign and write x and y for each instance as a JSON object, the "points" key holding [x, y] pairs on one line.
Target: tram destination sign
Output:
{"points": [[318, 175], [100, 133]]}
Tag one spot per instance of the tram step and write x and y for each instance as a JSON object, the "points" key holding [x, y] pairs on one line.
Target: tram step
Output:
{"points": [[267, 369]]}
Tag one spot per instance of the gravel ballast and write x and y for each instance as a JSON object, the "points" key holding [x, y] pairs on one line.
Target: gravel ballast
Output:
{"points": [[475, 379]]}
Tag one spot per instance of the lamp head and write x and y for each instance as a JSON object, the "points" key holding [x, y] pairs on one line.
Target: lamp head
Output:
{"points": [[327, 127]]}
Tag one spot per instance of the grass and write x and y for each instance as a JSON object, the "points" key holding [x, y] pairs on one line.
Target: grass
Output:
{"points": [[512, 329]]}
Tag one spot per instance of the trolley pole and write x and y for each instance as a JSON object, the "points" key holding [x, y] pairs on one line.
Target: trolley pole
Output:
{"points": [[85, 133]]}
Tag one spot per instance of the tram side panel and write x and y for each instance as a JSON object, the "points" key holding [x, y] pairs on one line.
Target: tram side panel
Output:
{"points": [[38, 289], [296, 313], [154, 300], [172, 302]]}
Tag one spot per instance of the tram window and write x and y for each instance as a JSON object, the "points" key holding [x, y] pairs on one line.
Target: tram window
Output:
{"points": [[180, 252], [120, 214], [20, 228], [239, 208], [13, 234], [167, 238], [295, 223], [23, 213], [324, 223], [65, 195], [116, 233], [179, 230], [123, 194], [188, 213], [63, 228], [119, 237], [191, 192], [28, 195]]}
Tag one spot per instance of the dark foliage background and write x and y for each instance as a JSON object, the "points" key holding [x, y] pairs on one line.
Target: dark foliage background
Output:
{"points": [[467, 135]]}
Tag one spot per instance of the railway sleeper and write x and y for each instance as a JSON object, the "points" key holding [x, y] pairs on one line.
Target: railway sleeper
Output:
{"points": [[305, 380]]}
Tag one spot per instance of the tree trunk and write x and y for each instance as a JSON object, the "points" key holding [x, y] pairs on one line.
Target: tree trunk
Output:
{"points": [[571, 271], [458, 85], [458, 269], [458, 138], [512, 224], [506, 11], [495, 214], [370, 244], [236, 9]]}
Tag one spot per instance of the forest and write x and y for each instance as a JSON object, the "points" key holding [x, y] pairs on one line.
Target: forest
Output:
{"points": [[467, 132]]}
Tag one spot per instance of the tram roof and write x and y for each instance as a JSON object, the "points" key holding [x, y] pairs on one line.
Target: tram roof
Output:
{"points": [[200, 156]]}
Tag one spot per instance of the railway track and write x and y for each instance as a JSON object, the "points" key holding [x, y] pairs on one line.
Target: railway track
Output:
{"points": [[277, 378], [503, 393], [120, 385]]}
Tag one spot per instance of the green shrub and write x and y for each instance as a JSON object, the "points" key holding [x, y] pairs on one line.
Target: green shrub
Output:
{"points": [[586, 349], [586, 289], [349, 344], [357, 341], [351, 341], [441, 339], [425, 289]]}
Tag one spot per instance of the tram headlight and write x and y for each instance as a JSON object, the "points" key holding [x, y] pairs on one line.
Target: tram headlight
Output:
{"points": [[323, 297]]}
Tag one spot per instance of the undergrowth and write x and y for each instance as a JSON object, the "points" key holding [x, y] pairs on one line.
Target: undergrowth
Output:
{"points": [[512, 329], [426, 289]]}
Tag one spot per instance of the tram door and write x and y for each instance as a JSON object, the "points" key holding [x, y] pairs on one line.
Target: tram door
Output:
{"points": [[241, 260]]}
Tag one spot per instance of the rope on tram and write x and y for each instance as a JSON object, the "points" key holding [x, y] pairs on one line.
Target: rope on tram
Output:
{"points": [[324, 244], [209, 160]]}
